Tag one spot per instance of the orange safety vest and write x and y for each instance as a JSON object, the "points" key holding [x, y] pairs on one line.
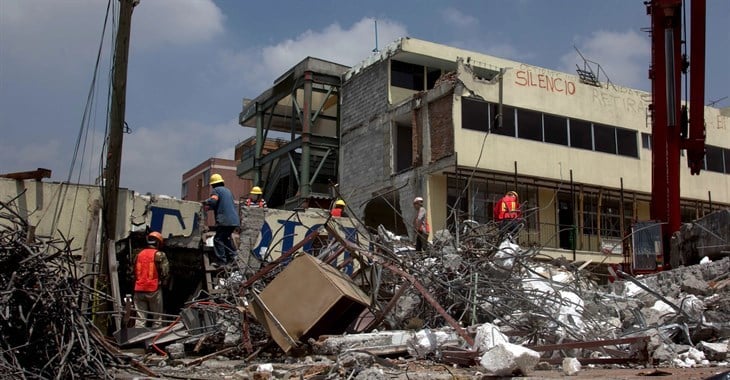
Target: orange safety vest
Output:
{"points": [[423, 227], [508, 208], [145, 270], [261, 202]]}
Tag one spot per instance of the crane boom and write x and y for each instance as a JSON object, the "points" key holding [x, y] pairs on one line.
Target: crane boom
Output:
{"points": [[669, 118]]}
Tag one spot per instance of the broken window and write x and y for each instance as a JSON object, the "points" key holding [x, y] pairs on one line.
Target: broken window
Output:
{"points": [[508, 120], [529, 124], [406, 75], [556, 129], [474, 114], [432, 75]]}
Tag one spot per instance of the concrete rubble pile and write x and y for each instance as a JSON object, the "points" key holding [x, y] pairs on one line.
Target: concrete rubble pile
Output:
{"points": [[473, 304], [485, 305]]}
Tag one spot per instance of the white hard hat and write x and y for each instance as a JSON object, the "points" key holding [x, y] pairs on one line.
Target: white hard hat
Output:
{"points": [[418, 199]]}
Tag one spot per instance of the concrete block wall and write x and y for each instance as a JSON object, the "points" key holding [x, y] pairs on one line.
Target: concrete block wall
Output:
{"points": [[366, 137]]}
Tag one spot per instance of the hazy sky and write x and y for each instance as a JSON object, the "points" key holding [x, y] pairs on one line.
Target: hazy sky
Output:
{"points": [[192, 62]]}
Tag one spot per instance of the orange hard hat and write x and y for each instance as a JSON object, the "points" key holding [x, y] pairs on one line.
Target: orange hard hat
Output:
{"points": [[155, 237]]}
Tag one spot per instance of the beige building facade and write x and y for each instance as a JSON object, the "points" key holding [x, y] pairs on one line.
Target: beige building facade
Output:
{"points": [[461, 128]]}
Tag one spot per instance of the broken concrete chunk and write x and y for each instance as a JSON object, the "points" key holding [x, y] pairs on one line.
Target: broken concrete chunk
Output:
{"points": [[427, 341], [571, 366], [693, 285], [175, 350], [507, 359], [488, 336], [714, 351]]}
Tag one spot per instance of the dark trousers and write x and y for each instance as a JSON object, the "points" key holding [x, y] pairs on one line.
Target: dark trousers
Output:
{"points": [[223, 247], [421, 241]]}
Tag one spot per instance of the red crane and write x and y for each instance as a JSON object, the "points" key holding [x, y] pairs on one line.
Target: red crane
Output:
{"points": [[674, 127]]}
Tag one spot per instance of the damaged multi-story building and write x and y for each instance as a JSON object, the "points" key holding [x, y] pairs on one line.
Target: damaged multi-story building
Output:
{"points": [[461, 128]]}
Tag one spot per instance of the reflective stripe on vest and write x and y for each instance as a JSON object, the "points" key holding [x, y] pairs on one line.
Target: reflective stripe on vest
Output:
{"points": [[508, 209], [145, 270]]}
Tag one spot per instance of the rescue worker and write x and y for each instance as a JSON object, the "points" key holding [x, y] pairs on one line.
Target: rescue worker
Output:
{"points": [[151, 273], [507, 209], [226, 221], [420, 224], [256, 198], [339, 209]]}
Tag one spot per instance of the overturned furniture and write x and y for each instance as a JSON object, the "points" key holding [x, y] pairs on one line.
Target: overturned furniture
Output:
{"points": [[307, 299]]}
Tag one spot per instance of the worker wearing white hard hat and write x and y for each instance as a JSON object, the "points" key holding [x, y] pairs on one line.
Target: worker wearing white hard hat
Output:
{"points": [[420, 224]]}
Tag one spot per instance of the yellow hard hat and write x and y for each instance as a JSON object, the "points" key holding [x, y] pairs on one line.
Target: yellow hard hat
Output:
{"points": [[340, 202], [215, 178], [256, 190], [513, 193]]}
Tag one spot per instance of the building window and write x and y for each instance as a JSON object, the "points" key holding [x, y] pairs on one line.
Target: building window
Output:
{"points": [[556, 129], [184, 190], [403, 147], [406, 75], [508, 120], [474, 114], [580, 134], [714, 159], [604, 138], [726, 154], [646, 141], [529, 124], [206, 177], [626, 143]]}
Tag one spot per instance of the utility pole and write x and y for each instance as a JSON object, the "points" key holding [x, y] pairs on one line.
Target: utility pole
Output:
{"points": [[114, 147]]}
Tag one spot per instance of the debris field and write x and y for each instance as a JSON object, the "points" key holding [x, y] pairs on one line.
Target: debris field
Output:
{"points": [[471, 306]]}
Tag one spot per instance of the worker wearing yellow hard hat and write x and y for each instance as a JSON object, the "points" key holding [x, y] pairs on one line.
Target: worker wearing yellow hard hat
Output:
{"points": [[226, 221], [339, 209], [256, 198]]}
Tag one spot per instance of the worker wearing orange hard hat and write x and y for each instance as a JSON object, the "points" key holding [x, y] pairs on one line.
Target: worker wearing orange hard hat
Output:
{"points": [[151, 271]]}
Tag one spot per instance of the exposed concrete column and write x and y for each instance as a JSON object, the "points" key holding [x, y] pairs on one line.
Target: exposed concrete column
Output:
{"points": [[259, 144], [304, 185]]}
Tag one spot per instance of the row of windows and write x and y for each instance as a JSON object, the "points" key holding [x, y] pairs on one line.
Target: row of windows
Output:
{"points": [[537, 126], [717, 159]]}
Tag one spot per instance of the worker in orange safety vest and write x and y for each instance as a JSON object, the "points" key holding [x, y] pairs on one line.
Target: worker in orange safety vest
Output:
{"points": [[151, 272], [507, 209], [420, 224], [256, 198], [339, 209]]}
